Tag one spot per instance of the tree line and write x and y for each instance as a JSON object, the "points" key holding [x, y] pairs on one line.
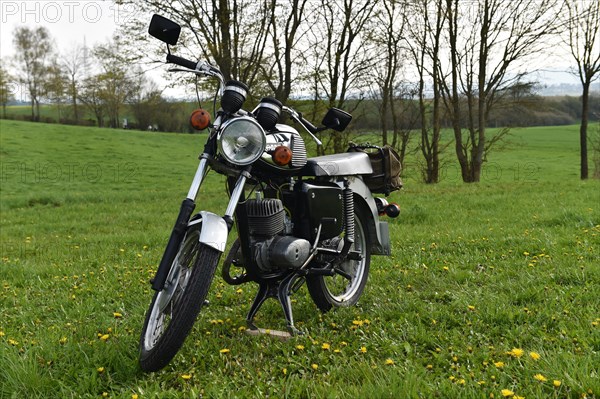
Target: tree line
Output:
{"points": [[418, 65]]}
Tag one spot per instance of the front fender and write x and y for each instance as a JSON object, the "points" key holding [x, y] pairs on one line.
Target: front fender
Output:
{"points": [[213, 231]]}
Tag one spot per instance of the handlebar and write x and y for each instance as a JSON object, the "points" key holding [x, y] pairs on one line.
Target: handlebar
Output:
{"points": [[181, 61], [310, 128]]}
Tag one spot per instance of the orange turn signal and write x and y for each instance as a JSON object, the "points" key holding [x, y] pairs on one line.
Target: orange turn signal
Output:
{"points": [[200, 119], [282, 155]]}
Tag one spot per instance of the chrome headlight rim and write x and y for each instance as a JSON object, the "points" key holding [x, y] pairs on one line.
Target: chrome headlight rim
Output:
{"points": [[234, 127]]}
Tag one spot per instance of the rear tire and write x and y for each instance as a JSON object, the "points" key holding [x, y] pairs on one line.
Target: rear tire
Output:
{"points": [[336, 290], [174, 309]]}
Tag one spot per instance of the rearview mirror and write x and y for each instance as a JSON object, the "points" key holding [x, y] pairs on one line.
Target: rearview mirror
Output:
{"points": [[336, 119], [164, 29]]}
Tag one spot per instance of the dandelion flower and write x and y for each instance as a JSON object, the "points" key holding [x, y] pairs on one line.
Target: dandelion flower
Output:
{"points": [[300, 347], [224, 350], [534, 355], [540, 378], [499, 364], [515, 352], [314, 366], [471, 307], [556, 383], [284, 371], [363, 349], [186, 376], [100, 370], [117, 315], [134, 396], [389, 362], [507, 392], [325, 346]]}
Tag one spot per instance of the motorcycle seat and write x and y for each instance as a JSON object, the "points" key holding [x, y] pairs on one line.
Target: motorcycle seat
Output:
{"points": [[343, 164]]}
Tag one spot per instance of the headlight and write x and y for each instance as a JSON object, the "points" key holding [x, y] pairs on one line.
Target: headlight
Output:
{"points": [[242, 140]]}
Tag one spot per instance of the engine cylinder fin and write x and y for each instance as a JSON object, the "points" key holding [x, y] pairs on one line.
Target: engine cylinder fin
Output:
{"points": [[265, 217]]}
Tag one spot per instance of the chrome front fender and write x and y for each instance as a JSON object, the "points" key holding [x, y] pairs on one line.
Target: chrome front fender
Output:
{"points": [[213, 231]]}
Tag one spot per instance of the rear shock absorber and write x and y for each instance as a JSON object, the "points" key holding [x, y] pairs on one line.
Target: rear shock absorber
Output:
{"points": [[349, 212]]}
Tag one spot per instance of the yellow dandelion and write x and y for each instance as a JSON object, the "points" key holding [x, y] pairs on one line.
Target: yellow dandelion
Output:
{"points": [[357, 322], [556, 383], [300, 347], [534, 355], [429, 367], [540, 378], [13, 342], [284, 371], [507, 392], [2, 334], [100, 370], [134, 396], [446, 268], [518, 397], [325, 346], [117, 315], [515, 352], [363, 349], [461, 381], [239, 291], [471, 308], [389, 362], [336, 351], [186, 376], [224, 350], [104, 337], [314, 366], [62, 341], [499, 364]]}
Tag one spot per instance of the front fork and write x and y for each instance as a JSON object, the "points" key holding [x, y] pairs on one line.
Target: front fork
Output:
{"points": [[183, 219]]}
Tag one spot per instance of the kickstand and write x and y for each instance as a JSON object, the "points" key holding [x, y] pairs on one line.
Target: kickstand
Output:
{"points": [[275, 289]]}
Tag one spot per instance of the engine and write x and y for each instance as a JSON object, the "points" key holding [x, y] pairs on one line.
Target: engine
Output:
{"points": [[273, 248]]}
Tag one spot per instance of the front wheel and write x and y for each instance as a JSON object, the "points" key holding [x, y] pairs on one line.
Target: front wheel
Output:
{"points": [[174, 309], [346, 289]]}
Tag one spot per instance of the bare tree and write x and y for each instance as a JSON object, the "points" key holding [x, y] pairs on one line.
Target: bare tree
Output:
{"points": [[286, 27], [582, 27], [345, 58], [73, 64], [34, 49], [55, 86], [388, 34], [230, 33], [5, 93], [487, 41], [425, 44]]}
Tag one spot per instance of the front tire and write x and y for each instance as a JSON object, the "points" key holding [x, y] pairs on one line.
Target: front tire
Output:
{"points": [[337, 290], [174, 309]]}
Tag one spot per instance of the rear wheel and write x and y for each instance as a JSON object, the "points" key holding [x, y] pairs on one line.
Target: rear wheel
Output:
{"points": [[346, 289], [174, 309]]}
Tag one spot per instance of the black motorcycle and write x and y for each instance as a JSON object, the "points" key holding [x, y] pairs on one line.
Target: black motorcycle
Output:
{"points": [[298, 219]]}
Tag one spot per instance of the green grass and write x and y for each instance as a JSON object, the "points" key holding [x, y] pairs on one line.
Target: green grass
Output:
{"points": [[477, 270]]}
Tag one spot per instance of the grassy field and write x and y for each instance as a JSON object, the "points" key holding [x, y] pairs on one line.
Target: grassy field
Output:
{"points": [[492, 289]]}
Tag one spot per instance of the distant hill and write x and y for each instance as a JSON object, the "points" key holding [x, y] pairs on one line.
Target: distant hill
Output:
{"points": [[566, 89]]}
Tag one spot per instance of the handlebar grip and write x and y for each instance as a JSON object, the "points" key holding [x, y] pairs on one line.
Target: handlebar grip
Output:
{"points": [[181, 61]]}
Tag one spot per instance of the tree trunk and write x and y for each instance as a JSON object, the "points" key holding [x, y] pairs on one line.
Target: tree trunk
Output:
{"points": [[583, 129]]}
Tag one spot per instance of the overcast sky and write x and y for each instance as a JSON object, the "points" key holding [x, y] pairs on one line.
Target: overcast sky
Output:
{"points": [[72, 22]]}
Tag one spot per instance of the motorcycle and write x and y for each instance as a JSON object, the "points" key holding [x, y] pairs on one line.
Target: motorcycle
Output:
{"points": [[298, 219]]}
